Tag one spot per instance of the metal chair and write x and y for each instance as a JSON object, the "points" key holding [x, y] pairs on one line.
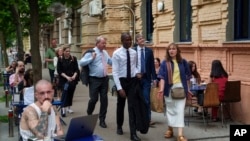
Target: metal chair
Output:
{"points": [[191, 103], [211, 99], [232, 94]]}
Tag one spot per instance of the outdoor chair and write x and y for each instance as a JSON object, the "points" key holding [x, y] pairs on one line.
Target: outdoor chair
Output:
{"points": [[232, 95], [211, 99], [191, 103]]}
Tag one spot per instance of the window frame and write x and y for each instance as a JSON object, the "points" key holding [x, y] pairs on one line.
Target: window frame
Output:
{"points": [[238, 20], [187, 16]]}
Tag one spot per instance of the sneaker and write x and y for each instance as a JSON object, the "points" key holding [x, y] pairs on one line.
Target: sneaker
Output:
{"points": [[70, 111]]}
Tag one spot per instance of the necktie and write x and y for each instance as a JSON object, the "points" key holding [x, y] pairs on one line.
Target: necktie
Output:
{"points": [[104, 65], [142, 62], [128, 65]]}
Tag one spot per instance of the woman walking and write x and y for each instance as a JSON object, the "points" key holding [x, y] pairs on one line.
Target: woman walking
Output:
{"points": [[174, 72]]}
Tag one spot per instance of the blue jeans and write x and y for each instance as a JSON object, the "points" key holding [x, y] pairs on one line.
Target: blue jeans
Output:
{"points": [[200, 96]]}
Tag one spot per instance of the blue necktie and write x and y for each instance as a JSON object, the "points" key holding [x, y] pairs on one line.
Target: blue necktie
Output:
{"points": [[142, 62]]}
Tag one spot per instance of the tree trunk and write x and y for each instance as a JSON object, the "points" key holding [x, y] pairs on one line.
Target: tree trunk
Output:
{"points": [[34, 37], [17, 23], [3, 43]]}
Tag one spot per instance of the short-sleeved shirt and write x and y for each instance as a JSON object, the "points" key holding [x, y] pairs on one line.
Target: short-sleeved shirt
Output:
{"points": [[50, 54]]}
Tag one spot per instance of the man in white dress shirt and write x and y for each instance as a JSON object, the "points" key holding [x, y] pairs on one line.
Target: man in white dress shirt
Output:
{"points": [[126, 77]]}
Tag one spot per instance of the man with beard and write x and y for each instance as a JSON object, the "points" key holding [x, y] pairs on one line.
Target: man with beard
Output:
{"points": [[16, 78], [40, 119], [16, 81]]}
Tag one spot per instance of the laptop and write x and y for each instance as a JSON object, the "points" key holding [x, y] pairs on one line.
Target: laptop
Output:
{"points": [[80, 128]]}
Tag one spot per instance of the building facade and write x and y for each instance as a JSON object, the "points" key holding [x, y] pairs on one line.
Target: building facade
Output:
{"points": [[204, 29]]}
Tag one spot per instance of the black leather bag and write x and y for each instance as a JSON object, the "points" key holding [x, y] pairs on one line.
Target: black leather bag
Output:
{"points": [[84, 73]]}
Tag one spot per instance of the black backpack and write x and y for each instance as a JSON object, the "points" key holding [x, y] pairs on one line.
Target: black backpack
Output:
{"points": [[84, 74]]}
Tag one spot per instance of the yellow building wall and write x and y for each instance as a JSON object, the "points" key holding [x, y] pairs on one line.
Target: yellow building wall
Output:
{"points": [[209, 29]]}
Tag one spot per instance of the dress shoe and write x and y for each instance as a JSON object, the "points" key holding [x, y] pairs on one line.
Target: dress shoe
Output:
{"points": [[119, 131], [63, 115], [103, 124], [134, 137]]}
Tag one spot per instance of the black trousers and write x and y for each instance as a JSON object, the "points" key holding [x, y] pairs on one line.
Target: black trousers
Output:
{"points": [[129, 86], [98, 86], [67, 95]]}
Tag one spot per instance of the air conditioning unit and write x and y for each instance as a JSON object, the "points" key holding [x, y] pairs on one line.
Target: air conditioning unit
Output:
{"points": [[95, 8]]}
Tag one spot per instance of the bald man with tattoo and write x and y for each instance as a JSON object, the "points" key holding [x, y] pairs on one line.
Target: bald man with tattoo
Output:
{"points": [[40, 119]]}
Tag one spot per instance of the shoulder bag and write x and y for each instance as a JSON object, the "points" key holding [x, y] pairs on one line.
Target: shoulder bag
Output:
{"points": [[177, 92]]}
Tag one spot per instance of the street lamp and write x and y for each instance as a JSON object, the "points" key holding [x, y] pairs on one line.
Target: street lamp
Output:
{"points": [[131, 10]]}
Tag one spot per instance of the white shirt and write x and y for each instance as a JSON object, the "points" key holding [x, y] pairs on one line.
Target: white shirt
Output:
{"points": [[139, 55], [96, 67], [28, 95], [55, 61], [119, 64]]}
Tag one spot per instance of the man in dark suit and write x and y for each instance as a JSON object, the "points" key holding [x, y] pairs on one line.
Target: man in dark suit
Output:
{"points": [[146, 65]]}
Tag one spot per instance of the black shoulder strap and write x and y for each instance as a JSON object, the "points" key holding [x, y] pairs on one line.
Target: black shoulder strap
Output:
{"points": [[88, 51]]}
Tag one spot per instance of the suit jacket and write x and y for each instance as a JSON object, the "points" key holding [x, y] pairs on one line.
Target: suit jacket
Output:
{"points": [[149, 63]]}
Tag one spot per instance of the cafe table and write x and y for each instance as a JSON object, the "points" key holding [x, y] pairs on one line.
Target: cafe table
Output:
{"points": [[201, 87]]}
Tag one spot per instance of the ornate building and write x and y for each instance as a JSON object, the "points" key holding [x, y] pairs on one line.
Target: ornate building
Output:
{"points": [[204, 29]]}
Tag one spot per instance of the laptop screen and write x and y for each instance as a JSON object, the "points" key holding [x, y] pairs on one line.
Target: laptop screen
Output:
{"points": [[80, 127]]}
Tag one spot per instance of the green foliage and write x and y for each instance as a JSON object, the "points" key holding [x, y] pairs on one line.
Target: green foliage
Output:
{"points": [[2, 99], [4, 118], [70, 3]]}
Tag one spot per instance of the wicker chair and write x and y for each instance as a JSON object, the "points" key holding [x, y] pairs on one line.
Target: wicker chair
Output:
{"points": [[211, 99], [232, 95]]}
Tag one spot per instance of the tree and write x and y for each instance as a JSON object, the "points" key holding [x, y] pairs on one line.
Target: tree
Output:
{"points": [[7, 30], [34, 37], [16, 20], [36, 22], [31, 14]]}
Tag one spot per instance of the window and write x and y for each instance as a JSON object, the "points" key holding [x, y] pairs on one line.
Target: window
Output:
{"points": [[59, 28], [185, 20], [78, 26], [242, 20], [149, 21]]}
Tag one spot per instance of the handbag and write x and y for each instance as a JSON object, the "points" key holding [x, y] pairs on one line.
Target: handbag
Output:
{"points": [[178, 93], [156, 103]]}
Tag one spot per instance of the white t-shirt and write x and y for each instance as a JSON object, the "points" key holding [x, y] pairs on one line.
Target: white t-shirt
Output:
{"points": [[28, 95], [55, 61]]}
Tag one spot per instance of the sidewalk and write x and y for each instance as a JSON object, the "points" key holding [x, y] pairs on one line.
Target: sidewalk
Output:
{"points": [[195, 130]]}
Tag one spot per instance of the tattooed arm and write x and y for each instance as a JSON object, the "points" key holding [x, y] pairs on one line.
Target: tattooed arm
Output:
{"points": [[38, 126]]}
